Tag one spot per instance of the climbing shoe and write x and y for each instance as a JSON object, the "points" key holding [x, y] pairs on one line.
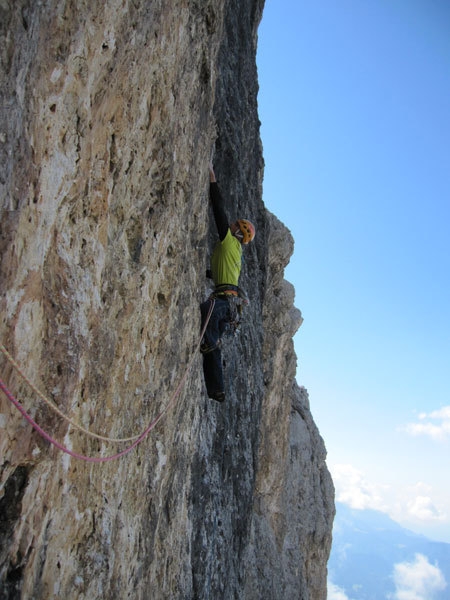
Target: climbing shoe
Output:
{"points": [[218, 396]]}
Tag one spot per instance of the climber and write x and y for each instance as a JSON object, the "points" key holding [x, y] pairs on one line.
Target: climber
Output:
{"points": [[228, 298]]}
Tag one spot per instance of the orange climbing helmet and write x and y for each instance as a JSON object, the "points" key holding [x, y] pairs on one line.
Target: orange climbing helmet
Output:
{"points": [[248, 230]]}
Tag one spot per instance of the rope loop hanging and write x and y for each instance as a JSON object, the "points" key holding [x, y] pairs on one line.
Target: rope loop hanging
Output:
{"points": [[55, 408], [135, 439]]}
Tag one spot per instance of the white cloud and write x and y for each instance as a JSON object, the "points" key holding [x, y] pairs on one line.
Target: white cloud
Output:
{"points": [[336, 593], [442, 413], [417, 580], [423, 508], [353, 489], [435, 424], [418, 507]]}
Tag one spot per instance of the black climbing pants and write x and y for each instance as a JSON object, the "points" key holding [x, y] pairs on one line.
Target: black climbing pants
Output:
{"points": [[210, 347]]}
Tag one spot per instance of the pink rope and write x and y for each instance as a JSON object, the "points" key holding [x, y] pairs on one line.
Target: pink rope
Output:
{"points": [[60, 446], [53, 406], [151, 425]]}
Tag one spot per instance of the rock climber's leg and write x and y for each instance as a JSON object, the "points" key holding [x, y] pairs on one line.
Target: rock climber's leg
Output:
{"points": [[214, 330], [210, 347], [212, 370]]}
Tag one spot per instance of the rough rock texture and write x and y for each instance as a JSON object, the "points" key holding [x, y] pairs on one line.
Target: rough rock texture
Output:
{"points": [[110, 112]]}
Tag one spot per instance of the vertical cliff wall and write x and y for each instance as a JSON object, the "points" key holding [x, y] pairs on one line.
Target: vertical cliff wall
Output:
{"points": [[110, 113]]}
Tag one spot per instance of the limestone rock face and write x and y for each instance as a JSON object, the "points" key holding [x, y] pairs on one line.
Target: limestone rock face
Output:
{"points": [[110, 113]]}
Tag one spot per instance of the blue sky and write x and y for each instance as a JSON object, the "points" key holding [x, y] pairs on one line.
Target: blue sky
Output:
{"points": [[355, 109]]}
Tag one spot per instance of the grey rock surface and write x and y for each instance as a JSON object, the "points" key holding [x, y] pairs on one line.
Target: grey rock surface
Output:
{"points": [[110, 113]]}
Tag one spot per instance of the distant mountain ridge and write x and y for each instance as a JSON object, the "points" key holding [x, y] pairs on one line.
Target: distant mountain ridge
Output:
{"points": [[367, 545]]}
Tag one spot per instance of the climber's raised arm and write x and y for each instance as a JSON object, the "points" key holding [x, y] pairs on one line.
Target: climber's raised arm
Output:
{"points": [[218, 206]]}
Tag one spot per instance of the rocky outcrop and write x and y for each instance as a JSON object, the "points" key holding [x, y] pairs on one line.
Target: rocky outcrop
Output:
{"points": [[110, 114]]}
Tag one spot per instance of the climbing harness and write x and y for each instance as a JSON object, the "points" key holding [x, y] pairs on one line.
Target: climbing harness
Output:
{"points": [[227, 289], [97, 459]]}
